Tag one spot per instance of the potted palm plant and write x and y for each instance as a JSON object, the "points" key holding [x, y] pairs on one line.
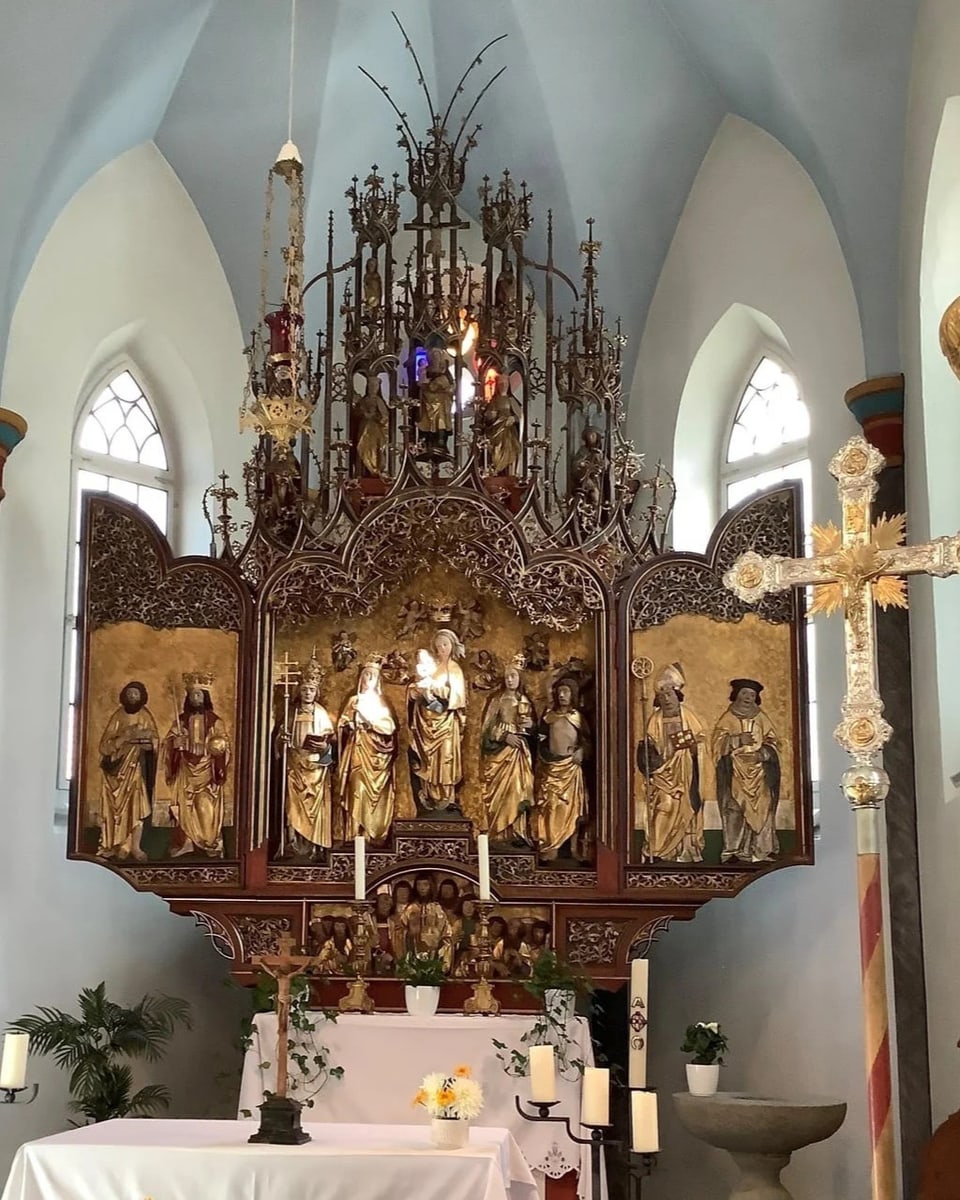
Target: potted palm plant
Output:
{"points": [[93, 1045], [423, 975], [707, 1045]]}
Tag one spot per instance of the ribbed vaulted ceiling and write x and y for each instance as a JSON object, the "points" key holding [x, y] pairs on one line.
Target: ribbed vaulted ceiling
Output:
{"points": [[605, 109]]}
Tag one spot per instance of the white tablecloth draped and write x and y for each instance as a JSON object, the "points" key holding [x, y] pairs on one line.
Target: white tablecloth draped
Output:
{"points": [[385, 1055], [184, 1160]]}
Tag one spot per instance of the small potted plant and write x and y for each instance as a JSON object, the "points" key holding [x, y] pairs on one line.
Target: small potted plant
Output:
{"points": [[557, 984], [707, 1045], [423, 975], [452, 1102]]}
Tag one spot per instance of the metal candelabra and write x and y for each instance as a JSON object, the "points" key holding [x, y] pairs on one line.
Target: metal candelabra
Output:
{"points": [[640, 1164], [358, 998], [481, 1001], [9, 1095]]}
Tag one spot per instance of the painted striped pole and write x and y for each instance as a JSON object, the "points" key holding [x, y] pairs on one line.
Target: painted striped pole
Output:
{"points": [[876, 1013]]}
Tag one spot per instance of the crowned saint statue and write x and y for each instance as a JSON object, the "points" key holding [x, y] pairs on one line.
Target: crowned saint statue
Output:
{"points": [[500, 422], [371, 417], [307, 745], [506, 752], [671, 760], [745, 749], [437, 713], [196, 754], [128, 772], [561, 797], [367, 744]]}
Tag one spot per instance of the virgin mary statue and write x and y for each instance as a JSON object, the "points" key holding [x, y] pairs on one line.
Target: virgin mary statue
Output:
{"points": [[437, 713]]}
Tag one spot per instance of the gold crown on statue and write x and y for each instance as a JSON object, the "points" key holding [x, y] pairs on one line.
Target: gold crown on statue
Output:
{"points": [[313, 673], [202, 679], [441, 611], [518, 662], [374, 660]]}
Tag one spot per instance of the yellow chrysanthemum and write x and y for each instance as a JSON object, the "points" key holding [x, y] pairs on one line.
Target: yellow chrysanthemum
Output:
{"points": [[445, 1097], [462, 1072], [419, 1098]]}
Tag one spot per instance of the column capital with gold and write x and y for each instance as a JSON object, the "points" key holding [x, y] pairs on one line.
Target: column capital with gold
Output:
{"points": [[13, 429], [878, 406]]}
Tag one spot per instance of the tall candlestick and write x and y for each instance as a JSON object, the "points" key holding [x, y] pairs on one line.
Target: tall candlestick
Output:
{"points": [[483, 854], [13, 1067], [639, 985], [595, 1096], [645, 1123], [360, 868], [543, 1075]]}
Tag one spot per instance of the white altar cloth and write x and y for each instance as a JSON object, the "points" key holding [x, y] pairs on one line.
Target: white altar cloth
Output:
{"points": [[184, 1160], [385, 1055]]}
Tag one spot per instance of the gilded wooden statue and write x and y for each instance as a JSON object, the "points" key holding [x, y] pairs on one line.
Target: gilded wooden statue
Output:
{"points": [[671, 758], [306, 745], [506, 749], [366, 772], [437, 714], [745, 750], [128, 772], [196, 754], [561, 794]]}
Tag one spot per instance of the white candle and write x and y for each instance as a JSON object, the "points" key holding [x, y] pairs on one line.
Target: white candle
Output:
{"points": [[645, 1123], [483, 854], [543, 1075], [595, 1096], [639, 984], [13, 1067], [360, 868]]}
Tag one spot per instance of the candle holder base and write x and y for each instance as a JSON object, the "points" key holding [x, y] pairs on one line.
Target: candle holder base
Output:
{"points": [[357, 999], [482, 1002], [9, 1095], [280, 1123]]}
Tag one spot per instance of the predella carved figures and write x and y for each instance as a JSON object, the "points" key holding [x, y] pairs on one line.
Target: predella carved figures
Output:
{"points": [[431, 912]]}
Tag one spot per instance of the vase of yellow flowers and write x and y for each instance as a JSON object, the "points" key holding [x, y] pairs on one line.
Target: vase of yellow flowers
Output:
{"points": [[452, 1101]]}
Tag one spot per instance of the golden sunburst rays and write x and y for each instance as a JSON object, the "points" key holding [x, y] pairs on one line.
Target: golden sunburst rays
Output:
{"points": [[858, 566]]}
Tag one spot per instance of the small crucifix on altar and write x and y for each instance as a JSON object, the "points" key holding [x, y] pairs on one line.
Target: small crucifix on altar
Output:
{"points": [[861, 564], [279, 1113]]}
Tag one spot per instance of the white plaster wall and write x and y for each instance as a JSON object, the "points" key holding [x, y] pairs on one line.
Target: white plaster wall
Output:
{"points": [[127, 274], [779, 965], [930, 281]]}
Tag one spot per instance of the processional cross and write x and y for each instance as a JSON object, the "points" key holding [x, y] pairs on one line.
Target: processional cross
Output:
{"points": [[853, 568]]}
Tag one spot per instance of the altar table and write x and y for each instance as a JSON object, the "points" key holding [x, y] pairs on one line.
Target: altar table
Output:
{"points": [[212, 1160], [385, 1055]]}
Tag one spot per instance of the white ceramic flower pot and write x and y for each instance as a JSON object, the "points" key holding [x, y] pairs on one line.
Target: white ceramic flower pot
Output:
{"points": [[421, 1001], [560, 1005], [449, 1133], [702, 1078]]}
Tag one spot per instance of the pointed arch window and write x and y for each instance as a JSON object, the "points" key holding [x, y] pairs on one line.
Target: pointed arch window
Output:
{"points": [[769, 443], [118, 448]]}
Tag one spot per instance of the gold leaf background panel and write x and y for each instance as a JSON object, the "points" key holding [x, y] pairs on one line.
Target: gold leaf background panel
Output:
{"points": [[157, 658], [377, 633], [712, 653]]}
